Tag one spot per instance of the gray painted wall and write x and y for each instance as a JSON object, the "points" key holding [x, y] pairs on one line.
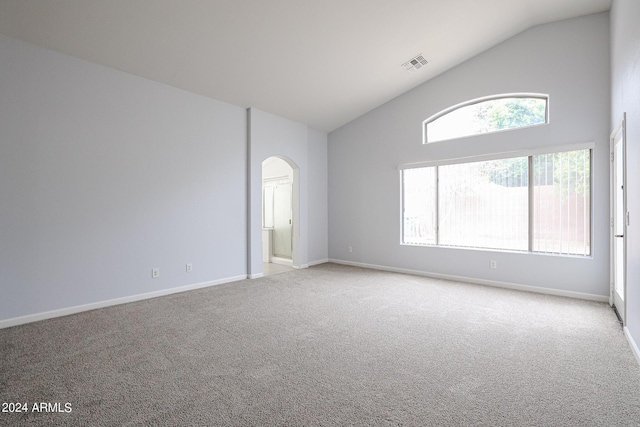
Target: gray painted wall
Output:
{"points": [[625, 91], [104, 176], [318, 214], [569, 60], [306, 149], [270, 135]]}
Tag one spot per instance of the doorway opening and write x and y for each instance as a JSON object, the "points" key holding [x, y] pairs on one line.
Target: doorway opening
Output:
{"points": [[278, 206], [619, 221]]}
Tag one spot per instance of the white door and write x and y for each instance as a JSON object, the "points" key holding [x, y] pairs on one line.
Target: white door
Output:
{"points": [[619, 219], [282, 220]]}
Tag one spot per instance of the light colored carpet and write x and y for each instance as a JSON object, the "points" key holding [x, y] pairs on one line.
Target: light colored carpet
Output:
{"points": [[328, 346]]}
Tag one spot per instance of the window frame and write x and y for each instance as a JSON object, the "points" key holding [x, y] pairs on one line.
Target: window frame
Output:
{"points": [[505, 155], [456, 107]]}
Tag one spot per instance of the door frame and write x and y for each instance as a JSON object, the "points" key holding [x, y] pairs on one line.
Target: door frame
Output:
{"points": [[296, 260], [289, 185], [620, 130]]}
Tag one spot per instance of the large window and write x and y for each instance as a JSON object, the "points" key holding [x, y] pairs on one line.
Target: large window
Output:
{"points": [[485, 115], [538, 203]]}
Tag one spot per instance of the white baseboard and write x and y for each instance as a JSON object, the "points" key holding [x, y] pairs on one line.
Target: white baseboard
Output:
{"points": [[7, 323], [312, 263], [632, 344], [255, 276], [282, 261], [516, 286]]}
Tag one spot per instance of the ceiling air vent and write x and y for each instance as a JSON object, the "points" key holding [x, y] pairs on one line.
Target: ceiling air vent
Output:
{"points": [[415, 64]]}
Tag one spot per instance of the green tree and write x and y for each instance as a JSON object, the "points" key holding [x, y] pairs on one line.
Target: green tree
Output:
{"points": [[571, 172], [508, 113], [512, 172]]}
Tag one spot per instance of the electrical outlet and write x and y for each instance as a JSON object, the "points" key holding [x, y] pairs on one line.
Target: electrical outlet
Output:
{"points": [[494, 263], [350, 249], [155, 273], [189, 268]]}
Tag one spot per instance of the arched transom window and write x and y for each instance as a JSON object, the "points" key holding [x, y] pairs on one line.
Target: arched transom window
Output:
{"points": [[488, 114]]}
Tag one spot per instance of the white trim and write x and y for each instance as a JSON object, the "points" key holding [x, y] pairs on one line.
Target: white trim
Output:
{"points": [[523, 155], [318, 262], [621, 130], [255, 276], [500, 155], [493, 283], [488, 98], [482, 99], [7, 323], [282, 261], [632, 344]]}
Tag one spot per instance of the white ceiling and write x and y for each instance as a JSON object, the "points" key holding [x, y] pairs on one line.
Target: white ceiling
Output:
{"points": [[319, 62]]}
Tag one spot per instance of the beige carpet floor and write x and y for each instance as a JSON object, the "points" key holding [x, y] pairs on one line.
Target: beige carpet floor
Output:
{"points": [[327, 346]]}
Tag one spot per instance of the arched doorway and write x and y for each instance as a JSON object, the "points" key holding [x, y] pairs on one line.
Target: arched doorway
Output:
{"points": [[280, 207]]}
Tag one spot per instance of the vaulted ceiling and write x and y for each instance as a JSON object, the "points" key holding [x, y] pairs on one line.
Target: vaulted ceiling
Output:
{"points": [[319, 62]]}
